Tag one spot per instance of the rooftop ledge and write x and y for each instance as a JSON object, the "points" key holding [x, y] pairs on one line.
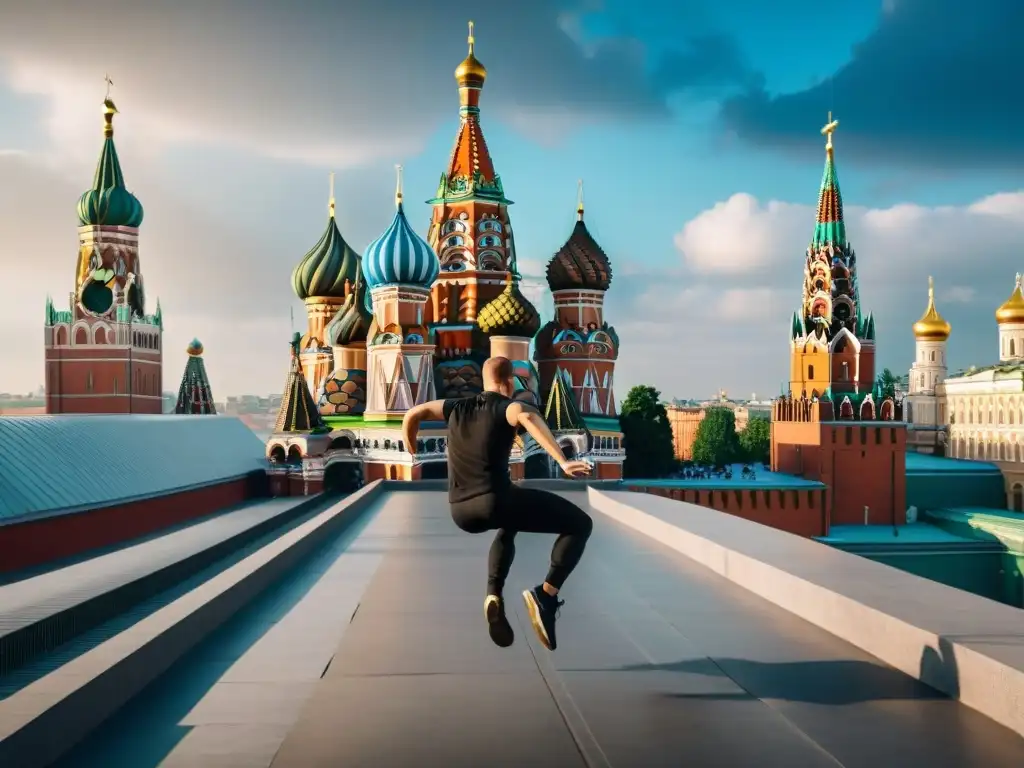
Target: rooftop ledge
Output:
{"points": [[966, 646]]}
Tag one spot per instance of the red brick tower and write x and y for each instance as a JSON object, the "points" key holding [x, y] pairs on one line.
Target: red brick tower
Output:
{"points": [[105, 354], [472, 236], [835, 424]]}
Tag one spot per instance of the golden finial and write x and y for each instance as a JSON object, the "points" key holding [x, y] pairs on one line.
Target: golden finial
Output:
{"points": [[932, 326], [828, 130], [579, 200], [398, 188], [470, 70], [330, 203], [109, 110]]}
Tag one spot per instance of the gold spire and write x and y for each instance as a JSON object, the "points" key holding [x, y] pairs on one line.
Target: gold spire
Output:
{"points": [[932, 326], [579, 200], [471, 70], [1013, 310], [398, 186], [330, 203], [109, 110], [828, 130]]}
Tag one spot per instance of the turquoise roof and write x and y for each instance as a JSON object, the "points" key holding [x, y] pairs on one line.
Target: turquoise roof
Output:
{"points": [[400, 257], [913, 533], [923, 463], [327, 267], [109, 203], [830, 227], [61, 464]]}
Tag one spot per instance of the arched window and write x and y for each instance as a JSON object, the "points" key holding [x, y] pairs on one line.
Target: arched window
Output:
{"points": [[453, 241], [933, 355], [810, 372], [489, 241], [453, 225], [1012, 352]]}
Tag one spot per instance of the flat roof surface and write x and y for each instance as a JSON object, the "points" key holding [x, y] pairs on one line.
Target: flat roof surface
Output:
{"points": [[914, 533], [54, 464], [926, 463], [661, 662], [763, 478]]}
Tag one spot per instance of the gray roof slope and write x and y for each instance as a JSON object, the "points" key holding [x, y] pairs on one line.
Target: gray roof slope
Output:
{"points": [[64, 463]]}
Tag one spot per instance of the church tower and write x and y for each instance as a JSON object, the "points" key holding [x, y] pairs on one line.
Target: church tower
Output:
{"points": [[1010, 317], [324, 279], [472, 236], [104, 355], [836, 425], [399, 268], [578, 344], [195, 396], [832, 340], [931, 333]]}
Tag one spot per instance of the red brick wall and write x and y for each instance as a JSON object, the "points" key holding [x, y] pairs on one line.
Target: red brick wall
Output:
{"points": [[800, 512], [35, 542]]}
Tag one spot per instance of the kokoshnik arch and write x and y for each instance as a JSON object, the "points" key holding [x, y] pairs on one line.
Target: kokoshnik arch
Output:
{"points": [[412, 319]]}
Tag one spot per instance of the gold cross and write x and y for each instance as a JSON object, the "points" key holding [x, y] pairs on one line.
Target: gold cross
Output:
{"points": [[330, 204], [398, 190], [829, 129], [110, 83], [472, 40], [579, 196]]}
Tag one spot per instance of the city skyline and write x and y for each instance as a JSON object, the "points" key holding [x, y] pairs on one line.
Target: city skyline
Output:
{"points": [[699, 184]]}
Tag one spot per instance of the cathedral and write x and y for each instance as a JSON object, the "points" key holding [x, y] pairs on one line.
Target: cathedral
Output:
{"points": [[413, 318]]}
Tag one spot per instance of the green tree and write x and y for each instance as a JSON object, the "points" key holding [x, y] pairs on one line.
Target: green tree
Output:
{"points": [[887, 382], [716, 442], [756, 439], [647, 434]]}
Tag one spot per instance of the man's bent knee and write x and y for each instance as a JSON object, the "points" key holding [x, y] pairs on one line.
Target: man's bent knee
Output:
{"points": [[584, 524]]}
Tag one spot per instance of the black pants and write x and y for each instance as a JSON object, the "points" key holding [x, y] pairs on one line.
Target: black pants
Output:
{"points": [[526, 510]]}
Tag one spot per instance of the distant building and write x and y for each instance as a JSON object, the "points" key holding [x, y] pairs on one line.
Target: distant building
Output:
{"points": [[984, 407], [685, 419], [926, 432], [195, 395], [104, 354], [835, 425]]}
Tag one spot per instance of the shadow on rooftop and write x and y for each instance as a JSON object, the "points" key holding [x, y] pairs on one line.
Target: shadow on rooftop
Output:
{"points": [[834, 683]]}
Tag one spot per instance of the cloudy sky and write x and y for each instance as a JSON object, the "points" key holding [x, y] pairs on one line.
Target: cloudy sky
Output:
{"points": [[694, 124]]}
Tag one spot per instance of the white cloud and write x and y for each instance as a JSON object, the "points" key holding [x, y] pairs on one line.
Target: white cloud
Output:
{"points": [[725, 321]]}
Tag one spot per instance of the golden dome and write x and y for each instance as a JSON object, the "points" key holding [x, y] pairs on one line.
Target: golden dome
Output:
{"points": [[471, 69], [932, 326], [1013, 310]]}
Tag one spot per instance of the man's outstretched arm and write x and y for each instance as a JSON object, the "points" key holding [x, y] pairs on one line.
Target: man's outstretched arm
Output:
{"points": [[528, 417], [432, 411]]}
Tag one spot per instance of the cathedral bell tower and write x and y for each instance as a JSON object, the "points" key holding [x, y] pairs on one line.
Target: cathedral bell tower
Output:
{"points": [[471, 233]]}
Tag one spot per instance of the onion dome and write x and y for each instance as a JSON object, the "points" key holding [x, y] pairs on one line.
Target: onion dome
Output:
{"points": [[400, 256], [109, 203], [1013, 310], [580, 263], [195, 348], [509, 314], [471, 71], [324, 271], [351, 324], [932, 326]]}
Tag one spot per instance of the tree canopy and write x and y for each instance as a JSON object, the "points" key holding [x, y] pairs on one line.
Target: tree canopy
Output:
{"points": [[756, 440], [716, 442], [647, 434]]}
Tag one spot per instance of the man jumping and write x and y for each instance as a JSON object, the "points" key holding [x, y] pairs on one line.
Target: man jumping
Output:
{"points": [[481, 431]]}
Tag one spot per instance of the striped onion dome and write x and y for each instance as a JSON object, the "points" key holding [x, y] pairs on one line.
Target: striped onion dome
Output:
{"points": [[400, 256], [324, 271], [352, 321], [109, 203], [509, 314]]}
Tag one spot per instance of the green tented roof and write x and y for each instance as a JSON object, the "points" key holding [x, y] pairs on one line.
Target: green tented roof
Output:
{"points": [[54, 464]]}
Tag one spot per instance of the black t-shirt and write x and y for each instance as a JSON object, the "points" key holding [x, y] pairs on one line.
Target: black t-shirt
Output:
{"points": [[479, 443]]}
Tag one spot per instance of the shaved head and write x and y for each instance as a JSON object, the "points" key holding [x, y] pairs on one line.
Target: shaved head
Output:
{"points": [[497, 375]]}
